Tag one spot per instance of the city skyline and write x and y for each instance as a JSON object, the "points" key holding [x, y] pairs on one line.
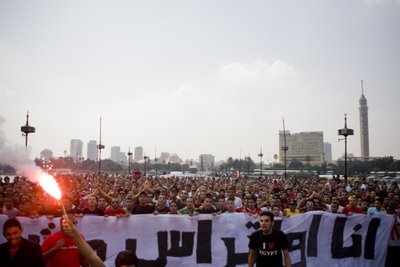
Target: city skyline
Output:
{"points": [[194, 77]]}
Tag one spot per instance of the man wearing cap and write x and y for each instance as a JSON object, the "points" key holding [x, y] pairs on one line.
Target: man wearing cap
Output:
{"points": [[292, 210]]}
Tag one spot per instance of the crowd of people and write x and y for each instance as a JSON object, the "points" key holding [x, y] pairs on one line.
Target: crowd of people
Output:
{"points": [[126, 195]]}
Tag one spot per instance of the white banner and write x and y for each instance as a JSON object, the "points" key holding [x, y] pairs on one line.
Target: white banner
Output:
{"points": [[316, 238]]}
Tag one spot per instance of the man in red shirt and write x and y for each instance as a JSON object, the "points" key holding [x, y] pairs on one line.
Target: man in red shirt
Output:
{"points": [[115, 209], [352, 207], [60, 250]]}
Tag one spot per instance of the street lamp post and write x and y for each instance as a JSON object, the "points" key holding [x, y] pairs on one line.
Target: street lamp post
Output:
{"points": [[284, 148], [261, 155], [100, 146], [145, 162], [155, 161], [129, 160], [345, 132]]}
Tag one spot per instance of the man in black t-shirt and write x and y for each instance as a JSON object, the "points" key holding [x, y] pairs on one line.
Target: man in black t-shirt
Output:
{"points": [[267, 245], [142, 207]]}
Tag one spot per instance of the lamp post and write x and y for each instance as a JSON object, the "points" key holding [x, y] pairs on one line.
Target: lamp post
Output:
{"points": [[155, 161], [284, 148], [145, 162], [261, 155], [345, 132], [100, 146], [129, 160]]}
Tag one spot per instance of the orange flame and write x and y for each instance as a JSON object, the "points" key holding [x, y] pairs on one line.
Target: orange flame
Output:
{"points": [[49, 184]]}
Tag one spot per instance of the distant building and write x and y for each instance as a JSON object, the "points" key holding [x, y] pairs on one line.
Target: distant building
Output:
{"points": [[46, 154], [328, 152], [76, 150], [138, 154], [117, 155], [92, 152], [364, 136], [206, 162], [174, 159], [164, 157], [306, 147]]}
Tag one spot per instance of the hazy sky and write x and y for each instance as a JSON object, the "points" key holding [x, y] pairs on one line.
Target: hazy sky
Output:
{"points": [[193, 77]]}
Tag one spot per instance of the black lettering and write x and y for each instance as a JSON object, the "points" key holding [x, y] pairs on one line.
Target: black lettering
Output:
{"points": [[300, 237], [337, 249], [369, 251], [203, 250], [186, 249], [100, 247], [312, 243], [161, 261], [233, 258]]}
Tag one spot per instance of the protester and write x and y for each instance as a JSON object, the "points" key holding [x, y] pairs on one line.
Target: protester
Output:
{"points": [[60, 249], [266, 246], [18, 251]]}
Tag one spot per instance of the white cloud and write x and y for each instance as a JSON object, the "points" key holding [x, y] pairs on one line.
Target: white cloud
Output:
{"points": [[258, 71]]}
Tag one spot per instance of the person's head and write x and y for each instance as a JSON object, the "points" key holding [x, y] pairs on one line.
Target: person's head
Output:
{"points": [[310, 205], [173, 208], [266, 222], [12, 231], [230, 205], [378, 203], [251, 203], [276, 210], [143, 199], [334, 207], [8, 203], [207, 203], [189, 203], [292, 205], [183, 194], [115, 203], [102, 203], [92, 201], [64, 224], [126, 258], [221, 203], [129, 203]]}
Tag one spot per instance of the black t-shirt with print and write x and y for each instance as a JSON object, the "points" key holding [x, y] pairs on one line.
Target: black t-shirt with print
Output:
{"points": [[268, 248]]}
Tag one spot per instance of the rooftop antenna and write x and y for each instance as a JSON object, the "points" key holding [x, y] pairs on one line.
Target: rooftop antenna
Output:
{"points": [[362, 87]]}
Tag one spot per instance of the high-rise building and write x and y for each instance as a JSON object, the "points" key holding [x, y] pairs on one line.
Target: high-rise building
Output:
{"points": [[46, 154], [328, 152], [364, 136], [117, 155], [92, 152], [306, 147], [138, 155], [206, 162], [115, 152], [76, 150]]}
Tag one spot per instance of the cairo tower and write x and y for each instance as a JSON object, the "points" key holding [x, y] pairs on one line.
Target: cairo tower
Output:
{"points": [[364, 137]]}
